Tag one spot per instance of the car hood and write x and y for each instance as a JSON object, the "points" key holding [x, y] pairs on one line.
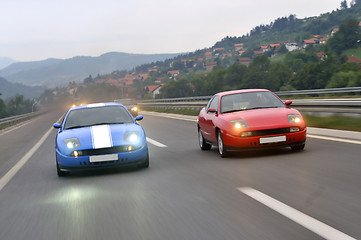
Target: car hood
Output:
{"points": [[100, 136], [263, 118]]}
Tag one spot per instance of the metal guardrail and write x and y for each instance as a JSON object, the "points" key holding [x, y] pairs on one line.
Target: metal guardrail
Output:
{"points": [[280, 93], [5, 122], [350, 107]]}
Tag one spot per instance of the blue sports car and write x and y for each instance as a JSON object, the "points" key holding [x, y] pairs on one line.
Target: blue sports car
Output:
{"points": [[100, 135]]}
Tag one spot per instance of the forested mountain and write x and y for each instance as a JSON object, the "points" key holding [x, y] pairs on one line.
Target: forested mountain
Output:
{"points": [[8, 89], [58, 72]]}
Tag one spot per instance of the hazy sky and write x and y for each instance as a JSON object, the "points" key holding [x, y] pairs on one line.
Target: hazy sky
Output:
{"points": [[39, 29]]}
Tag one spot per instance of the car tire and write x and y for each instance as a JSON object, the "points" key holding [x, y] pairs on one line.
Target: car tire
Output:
{"points": [[202, 142], [146, 163], [222, 150], [298, 147]]}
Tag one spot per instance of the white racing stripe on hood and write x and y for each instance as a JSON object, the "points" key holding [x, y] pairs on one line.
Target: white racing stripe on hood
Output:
{"points": [[101, 136]]}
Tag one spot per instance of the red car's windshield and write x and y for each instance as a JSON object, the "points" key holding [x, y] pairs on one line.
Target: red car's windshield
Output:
{"points": [[249, 100]]}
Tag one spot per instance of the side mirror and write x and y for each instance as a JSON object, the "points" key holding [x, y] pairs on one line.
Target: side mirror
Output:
{"points": [[288, 102], [212, 110], [57, 125], [139, 117]]}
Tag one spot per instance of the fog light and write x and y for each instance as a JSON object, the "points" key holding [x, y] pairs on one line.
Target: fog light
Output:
{"points": [[294, 129], [130, 148], [246, 134]]}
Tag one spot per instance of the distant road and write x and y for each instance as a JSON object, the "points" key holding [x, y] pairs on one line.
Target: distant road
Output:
{"points": [[186, 193]]}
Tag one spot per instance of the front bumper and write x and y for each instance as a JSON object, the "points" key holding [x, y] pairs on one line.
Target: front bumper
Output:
{"points": [[248, 143], [132, 158]]}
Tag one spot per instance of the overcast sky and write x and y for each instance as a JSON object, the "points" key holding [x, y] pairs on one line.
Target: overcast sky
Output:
{"points": [[39, 29]]}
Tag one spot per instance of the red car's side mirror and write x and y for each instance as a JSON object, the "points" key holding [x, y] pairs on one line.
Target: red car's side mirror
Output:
{"points": [[212, 110], [288, 102]]}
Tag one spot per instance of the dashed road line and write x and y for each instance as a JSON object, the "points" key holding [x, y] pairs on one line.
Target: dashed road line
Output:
{"points": [[155, 143], [306, 221]]}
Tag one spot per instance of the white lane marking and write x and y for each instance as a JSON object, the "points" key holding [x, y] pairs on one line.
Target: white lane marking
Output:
{"points": [[155, 143], [306, 221], [334, 139], [15, 127], [11, 173]]}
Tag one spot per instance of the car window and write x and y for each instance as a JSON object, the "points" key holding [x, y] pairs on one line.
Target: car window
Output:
{"points": [[97, 115], [213, 103], [249, 100]]}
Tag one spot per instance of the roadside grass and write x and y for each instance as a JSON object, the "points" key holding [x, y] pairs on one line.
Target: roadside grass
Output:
{"points": [[334, 122]]}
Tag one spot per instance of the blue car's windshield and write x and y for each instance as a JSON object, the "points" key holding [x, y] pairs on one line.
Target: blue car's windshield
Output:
{"points": [[97, 115]]}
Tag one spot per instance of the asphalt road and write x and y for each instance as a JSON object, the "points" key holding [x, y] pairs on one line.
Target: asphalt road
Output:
{"points": [[185, 194]]}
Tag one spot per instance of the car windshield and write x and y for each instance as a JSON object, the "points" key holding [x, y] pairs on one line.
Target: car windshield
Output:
{"points": [[249, 100], [85, 117]]}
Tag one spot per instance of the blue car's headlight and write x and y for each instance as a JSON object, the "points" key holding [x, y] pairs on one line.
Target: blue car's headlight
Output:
{"points": [[72, 143], [132, 137]]}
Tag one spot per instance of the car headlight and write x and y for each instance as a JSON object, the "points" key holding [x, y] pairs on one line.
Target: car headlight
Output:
{"points": [[134, 109], [72, 142], [294, 118], [131, 137], [239, 124]]}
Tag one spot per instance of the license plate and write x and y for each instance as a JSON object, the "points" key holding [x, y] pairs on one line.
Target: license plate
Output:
{"points": [[272, 139], [103, 158]]}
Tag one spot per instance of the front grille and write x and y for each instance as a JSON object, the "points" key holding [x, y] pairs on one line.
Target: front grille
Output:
{"points": [[104, 151], [269, 132]]}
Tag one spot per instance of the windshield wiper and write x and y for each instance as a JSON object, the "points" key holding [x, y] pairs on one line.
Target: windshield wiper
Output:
{"points": [[78, 126], [261, 107], [234, 110]]}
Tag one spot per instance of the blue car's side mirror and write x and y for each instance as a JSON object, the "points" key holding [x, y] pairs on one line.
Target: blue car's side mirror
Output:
{"points": [[138, 118], [57, 125]]}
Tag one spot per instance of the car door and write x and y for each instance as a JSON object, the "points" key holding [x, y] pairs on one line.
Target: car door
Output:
{"points": [[209, 118]]}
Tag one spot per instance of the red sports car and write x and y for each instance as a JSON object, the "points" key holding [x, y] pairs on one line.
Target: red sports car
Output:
{"points": [[250, 119]]}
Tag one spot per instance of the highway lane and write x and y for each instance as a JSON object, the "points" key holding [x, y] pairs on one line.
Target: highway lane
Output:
{"points": [[185, 194]]}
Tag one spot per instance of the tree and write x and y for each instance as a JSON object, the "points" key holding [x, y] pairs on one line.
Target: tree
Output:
{"points": [[235, 75], [343, 4], [346, 37], [179, 88], [257, 74]]}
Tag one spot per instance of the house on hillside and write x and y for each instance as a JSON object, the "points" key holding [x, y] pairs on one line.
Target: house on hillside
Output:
{"points": [[310, 42], [257, 53], [264, 49], [291, 45], [238, 46], [173, 74], [323, 40], [208, 55], [154, 89], [335, 30], [210, 65]]}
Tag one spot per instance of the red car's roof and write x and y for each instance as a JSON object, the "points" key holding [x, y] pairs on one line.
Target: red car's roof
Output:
{"points": [[242, 91]]}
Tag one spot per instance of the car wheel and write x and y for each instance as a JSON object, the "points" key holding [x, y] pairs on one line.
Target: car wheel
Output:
{"points": [[202, 142], [221, 147], [146, 163], [298, 147]]}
